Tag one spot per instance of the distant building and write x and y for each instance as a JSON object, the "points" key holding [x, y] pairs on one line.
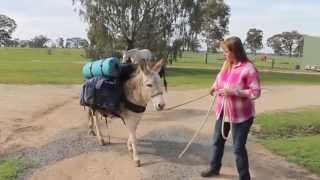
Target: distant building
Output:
{"points": [[311, 51]]}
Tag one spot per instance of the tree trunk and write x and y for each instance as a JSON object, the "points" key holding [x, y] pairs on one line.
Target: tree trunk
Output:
{"points": [[272, 63], [181, 52], [130, 44], [206, 59], [290, 51]]}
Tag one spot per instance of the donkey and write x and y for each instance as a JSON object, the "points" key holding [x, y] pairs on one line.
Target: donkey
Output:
{"points": [[144, 85], [137, 55]]}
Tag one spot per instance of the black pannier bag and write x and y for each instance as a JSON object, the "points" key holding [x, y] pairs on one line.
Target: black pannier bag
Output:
{"points": [[101, 93]]}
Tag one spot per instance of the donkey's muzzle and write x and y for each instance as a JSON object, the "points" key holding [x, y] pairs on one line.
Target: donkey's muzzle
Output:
{"points": [[160, 107]]}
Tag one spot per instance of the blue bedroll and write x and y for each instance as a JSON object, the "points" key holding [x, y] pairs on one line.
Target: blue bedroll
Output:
{"points": [[108, 67]]}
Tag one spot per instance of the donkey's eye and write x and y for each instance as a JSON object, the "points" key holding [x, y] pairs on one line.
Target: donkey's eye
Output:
{"points": [[149, 85]]}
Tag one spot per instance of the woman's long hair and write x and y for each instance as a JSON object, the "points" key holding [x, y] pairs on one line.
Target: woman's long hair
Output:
{"points": [[235, 46]]}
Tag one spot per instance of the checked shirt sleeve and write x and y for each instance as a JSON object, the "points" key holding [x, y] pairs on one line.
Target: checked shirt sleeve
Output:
{"points": [[253, 83]]}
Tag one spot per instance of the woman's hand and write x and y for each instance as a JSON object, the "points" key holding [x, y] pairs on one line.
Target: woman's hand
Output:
{"points": [[211, 91], [227, 92]]}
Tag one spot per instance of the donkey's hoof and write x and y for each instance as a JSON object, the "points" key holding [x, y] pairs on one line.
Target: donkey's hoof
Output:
{"points": [[138, 163], [91, 133], [101, 142]]}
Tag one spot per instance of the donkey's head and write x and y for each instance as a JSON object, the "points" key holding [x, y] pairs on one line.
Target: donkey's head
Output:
{"points": [[151, 83]]}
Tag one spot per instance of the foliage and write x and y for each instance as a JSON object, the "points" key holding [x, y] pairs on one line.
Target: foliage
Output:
{"points": [[39, 41], [139, 23], [289, 43], [60, 42], [7, 27], [216, 16], [101, 41], [254, 40], [154, 24]]}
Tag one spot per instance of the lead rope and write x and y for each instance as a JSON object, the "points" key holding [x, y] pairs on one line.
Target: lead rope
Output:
{"points": [[200, 127]]}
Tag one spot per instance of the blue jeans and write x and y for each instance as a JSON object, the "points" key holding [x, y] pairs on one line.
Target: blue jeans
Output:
{"points": [[240, 133]]}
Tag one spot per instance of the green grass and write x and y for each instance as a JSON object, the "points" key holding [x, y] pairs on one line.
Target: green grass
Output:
{"points": [[301, 150], [293, 134], [10, 169], [35, 66], [203, 77], [63, 66], [216, 60], [293, 123]]}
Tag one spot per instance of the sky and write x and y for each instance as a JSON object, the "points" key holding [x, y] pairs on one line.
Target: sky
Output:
{"points": [[57, 18]]}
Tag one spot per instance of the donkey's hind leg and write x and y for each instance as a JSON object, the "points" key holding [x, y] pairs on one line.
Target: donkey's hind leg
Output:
{"points": [[96, 119], [90, 123], [108, 130], [129, 145]]}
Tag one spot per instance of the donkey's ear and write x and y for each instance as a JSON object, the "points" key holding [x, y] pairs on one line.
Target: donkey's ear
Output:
{"points": [[144, 66], [157, 67]]}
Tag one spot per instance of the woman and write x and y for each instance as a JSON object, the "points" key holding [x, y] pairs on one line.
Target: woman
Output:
{"points": [[236, 86]]}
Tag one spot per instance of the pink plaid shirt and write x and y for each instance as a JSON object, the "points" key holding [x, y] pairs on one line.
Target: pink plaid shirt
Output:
{"points": [[243, 78]]}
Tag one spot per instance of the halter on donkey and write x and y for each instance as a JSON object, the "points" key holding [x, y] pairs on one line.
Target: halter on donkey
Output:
{"points": [[144, 85]]}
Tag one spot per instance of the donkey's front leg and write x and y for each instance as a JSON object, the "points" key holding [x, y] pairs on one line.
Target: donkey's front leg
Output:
{"points": [[134, 148], [132, 140], [96, 123]]}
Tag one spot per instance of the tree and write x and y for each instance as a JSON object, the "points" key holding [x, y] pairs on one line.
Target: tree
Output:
{"points": [[24, 43], [216, 16], [60, 42], [138, 23], [191, 21], [102, 43], [275, 43], [13, 43], [299, 50], [254, 40], [39, 41], [151, 24], [288, 43], [7, 27]]}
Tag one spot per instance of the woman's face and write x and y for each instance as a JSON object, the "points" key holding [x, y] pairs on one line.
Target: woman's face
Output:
{"points": [[228, 55]]}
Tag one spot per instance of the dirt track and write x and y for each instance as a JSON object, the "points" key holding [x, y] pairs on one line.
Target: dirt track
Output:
{"points": [[47, 124]]}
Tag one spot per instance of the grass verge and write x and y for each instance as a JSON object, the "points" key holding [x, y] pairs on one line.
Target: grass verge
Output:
{"points": [[11, 169], [292, 134]]}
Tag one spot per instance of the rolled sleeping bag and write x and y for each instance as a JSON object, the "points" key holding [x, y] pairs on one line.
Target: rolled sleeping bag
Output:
{"points": [[109, 67]]}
